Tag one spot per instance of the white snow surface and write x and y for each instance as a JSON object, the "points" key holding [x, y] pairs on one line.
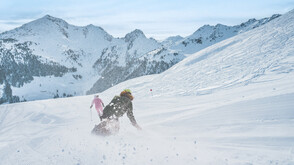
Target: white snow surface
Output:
{"points": [[231, 103]]}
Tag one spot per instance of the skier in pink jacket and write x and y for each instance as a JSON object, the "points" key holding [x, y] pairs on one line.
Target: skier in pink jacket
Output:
{"points": [[98, 105]]}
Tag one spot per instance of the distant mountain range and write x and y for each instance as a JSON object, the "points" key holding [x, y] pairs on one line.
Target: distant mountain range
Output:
{"points": [[49, 58], [208, 35]]}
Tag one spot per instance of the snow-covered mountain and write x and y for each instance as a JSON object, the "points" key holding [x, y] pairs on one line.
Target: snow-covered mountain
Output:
{"points": [[83, 58], [132, 57], [49, 58], [208, 35], [231, 103], [134, 67]]}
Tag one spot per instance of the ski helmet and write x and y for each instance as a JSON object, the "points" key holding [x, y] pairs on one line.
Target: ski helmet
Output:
{"points": [[127, 90]]}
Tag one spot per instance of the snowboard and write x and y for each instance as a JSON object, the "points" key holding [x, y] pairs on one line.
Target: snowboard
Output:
{"points": [[106, 128]]}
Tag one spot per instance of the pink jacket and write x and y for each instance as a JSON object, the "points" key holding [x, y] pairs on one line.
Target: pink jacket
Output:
{"points": [[98, 104]]}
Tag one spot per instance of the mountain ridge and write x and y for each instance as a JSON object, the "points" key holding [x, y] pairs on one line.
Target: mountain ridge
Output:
{"points": [[98, 60], [208, 35]]}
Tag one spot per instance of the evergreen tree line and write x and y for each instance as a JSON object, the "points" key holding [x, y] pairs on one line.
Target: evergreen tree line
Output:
{"points": [[19, 65]]}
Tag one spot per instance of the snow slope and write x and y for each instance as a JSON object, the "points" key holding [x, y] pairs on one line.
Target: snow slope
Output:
{"points": [[231, 103]]}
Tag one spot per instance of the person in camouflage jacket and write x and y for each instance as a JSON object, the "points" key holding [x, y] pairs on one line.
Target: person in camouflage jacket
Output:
{"points": [[120, 105]]}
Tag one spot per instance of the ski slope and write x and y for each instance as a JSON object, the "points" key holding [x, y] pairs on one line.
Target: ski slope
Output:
{"points": [[231, 103], [185, 130]]}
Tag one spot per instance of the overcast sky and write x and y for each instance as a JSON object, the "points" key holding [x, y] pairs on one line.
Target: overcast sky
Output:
{"points": [[156, 18]]}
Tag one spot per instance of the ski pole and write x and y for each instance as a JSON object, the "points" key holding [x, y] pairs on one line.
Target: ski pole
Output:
{"points": [[91, 114]]}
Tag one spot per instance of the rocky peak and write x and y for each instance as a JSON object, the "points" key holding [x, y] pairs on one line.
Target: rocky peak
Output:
{"points": [[273, 17], [134, 35], [49, 18], [91, 26], [203, 28], [47, 22]]}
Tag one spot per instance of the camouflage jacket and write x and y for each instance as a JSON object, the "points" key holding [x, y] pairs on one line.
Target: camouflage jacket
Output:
{"points": [[118, 106]]}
